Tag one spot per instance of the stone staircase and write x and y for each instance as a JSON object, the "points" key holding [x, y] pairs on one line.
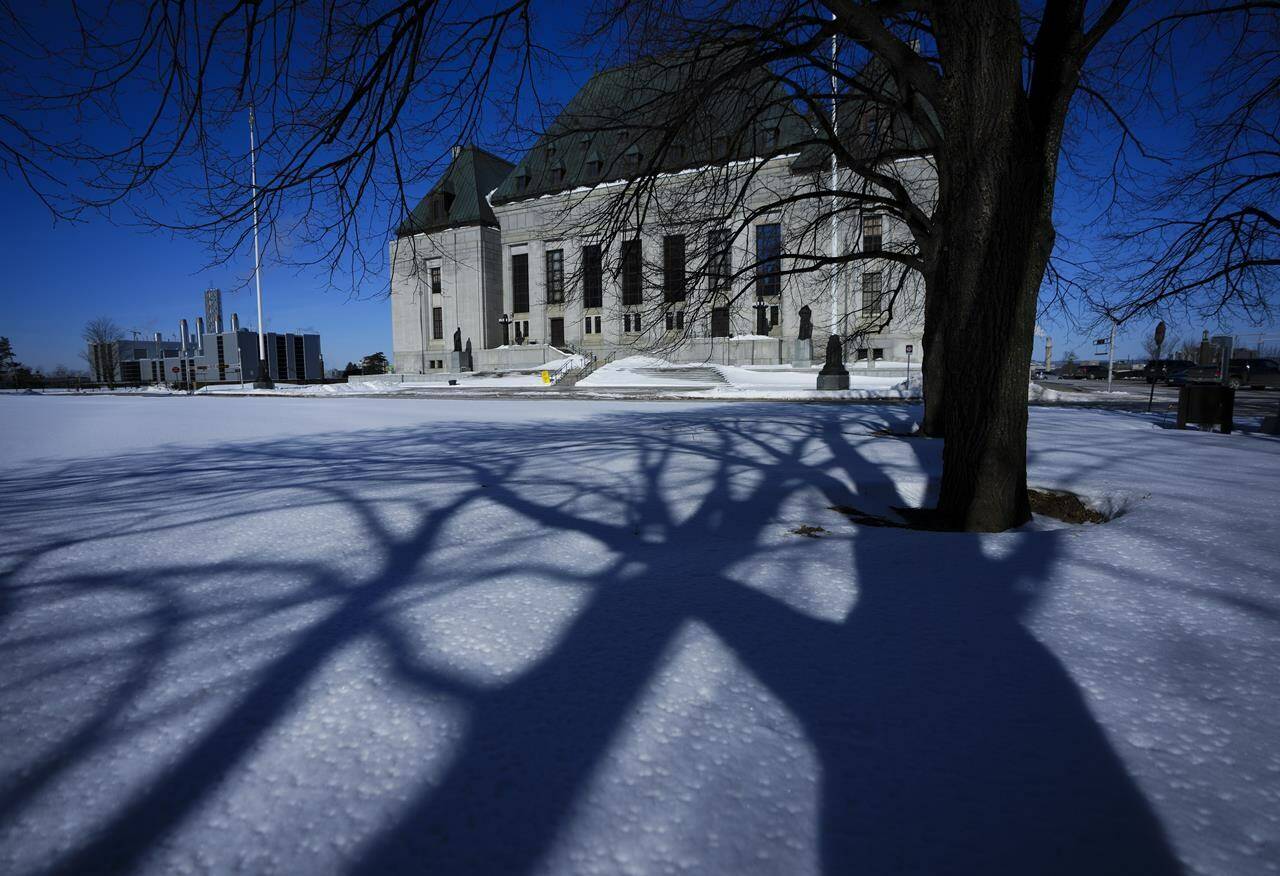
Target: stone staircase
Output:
{"points": [[570, 379], [686, 374]]}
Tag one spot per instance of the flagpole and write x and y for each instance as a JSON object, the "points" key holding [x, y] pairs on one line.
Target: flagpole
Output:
{"points": [[835, 128], [264, 375]]}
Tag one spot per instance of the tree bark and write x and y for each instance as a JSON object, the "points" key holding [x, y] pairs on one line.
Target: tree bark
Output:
{"points": [[933, 359], [991, 288], [997, 173]]}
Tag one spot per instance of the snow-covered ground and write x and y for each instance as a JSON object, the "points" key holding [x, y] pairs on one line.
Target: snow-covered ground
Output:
{"points": [[366, 635]]}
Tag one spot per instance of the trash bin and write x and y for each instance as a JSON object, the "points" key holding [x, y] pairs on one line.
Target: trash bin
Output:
{"points": [[1207, 405]]}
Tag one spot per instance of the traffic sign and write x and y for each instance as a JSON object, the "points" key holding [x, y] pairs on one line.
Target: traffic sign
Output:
{"points": [[176, 369], [910, 349]]}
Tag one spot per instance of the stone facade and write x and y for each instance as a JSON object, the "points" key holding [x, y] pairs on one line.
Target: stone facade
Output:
{"points": [[476, 286]]}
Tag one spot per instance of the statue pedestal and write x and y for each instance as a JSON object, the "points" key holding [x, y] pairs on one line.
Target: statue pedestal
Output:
{"points": [[455, 361], [833, 374], [802, 354]]}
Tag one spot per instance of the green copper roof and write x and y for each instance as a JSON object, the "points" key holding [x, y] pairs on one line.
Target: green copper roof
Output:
{"points": [[616, 124], [458, 197]]}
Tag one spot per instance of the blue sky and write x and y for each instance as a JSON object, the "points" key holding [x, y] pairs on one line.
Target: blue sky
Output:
{"points": [[59, 275]]}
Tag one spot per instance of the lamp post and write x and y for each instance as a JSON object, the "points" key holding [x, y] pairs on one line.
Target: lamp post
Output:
{"points": [[505, 321], [762, 325]]}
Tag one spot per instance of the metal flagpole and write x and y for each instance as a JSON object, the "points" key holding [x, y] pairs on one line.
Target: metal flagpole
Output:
{"points": [[1111, 354], [835, 282], [264, 376]]}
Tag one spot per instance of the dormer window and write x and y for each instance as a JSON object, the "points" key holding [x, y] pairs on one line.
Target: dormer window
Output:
{"points": [[595, 164], [523, 178], [769, 138], [633, 156], [721, 145], [557, 171], [440, 204]]}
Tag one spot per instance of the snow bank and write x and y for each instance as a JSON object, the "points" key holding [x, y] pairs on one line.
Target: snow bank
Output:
{"points": [[770, 382]]}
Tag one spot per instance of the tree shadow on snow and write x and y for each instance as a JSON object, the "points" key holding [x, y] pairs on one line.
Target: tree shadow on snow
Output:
{"points": [[948, 738]]}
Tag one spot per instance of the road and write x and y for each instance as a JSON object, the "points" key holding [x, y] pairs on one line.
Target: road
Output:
{"points": [[1249, 402]]}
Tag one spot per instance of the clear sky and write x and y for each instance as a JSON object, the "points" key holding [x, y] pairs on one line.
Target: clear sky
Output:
{"points": [[58, 276]]}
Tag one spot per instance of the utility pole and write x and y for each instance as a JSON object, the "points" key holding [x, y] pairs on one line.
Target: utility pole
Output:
{"points": [[264, 376]]}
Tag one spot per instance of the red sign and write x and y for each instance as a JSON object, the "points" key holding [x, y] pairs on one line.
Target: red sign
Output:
{"points": [[176, 370]]}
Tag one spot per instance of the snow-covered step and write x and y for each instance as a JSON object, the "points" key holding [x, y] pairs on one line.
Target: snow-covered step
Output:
{"points": [[685, 374]]}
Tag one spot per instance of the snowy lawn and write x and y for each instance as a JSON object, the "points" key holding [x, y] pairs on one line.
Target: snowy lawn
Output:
{"points": [[387, 636]]}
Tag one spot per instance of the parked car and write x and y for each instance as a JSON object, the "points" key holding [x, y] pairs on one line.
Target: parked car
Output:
{"points": [[1254, 373], [1162, 369], [1194, 374]]}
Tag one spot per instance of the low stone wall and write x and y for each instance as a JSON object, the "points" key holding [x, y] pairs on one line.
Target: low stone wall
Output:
{"points": [[514, 358]]}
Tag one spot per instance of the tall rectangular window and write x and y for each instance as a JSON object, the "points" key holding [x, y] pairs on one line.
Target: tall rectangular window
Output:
{"points": [[437, 322], [632, 292], [673, 268], [592, 277], [872, 233], [872, 292], [555, 276], [435, 281], [520, 283], [719, 322], [769, 259], [720, 265]]}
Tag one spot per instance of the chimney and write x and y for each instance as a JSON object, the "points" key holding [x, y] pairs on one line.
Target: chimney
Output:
{"points": [[235, 322], [183, 335]]}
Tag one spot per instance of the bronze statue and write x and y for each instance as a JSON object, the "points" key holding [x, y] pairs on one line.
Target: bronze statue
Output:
{"points": [[457, 340], [806, 323]]}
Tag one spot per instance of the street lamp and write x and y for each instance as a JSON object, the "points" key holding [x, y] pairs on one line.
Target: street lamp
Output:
{"points": [[505, 321], [762, 325]]}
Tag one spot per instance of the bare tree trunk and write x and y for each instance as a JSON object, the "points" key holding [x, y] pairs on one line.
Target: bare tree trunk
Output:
{"points": [[991, 276], [996, 193], [934, 360]]}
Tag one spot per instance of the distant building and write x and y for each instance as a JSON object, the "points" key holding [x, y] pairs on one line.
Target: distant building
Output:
{"points": [[209, 357], [213, 310], [509, 256]]}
